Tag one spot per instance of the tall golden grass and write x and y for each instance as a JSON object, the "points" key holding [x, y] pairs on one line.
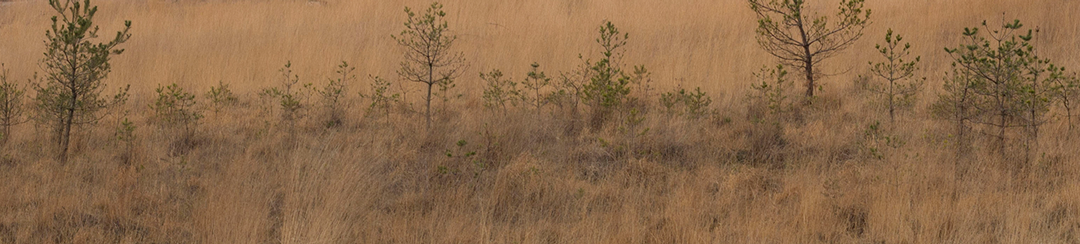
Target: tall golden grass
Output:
{"points": [[536, 178]]}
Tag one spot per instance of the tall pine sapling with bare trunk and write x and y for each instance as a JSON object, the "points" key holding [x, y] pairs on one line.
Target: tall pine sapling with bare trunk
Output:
{"points": [[75, 70], [899, 90], [11, 105], [802, 40], [428, 56]]}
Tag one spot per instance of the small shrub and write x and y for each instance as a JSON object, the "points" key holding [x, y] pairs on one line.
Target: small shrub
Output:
{"points": [[499, 92], [462, 154], [769, 101], [632, 130], [877, 141], [535, 81], [381, 97], [692, 104], [125, 133], [1068, 92], [642, 79], [289, 95], [221, 96], [568, 91], [332, 94], [11, 105], [566, 97], [175, 107], [609, 86]]}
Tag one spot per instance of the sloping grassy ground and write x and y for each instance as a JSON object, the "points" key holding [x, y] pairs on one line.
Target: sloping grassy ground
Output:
{"points": [[825, 177]]}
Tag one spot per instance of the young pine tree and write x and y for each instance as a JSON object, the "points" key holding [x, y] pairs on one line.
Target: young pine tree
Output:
{"points": [[428, 56], [998, 83], [332, 95], [11, 105], [381, 98], [899, 90], [499, 91], [534, 82], [75, 70], [802, 39], [609, 86]]}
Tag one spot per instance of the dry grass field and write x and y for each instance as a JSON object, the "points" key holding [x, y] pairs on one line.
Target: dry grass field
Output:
{"points": [[244, 177]]}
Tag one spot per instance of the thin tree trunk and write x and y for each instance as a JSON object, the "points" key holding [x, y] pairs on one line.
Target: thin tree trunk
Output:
{"points": [[1001, 131], [431, 82], [65, 138], [1068, 112], [808, 59], [427, 114], [892, 107], [809, 73]]}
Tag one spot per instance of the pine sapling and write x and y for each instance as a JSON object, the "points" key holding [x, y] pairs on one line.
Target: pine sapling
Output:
{"points": [[899, 90], [11, 105], [498, 91], [534, 82]]}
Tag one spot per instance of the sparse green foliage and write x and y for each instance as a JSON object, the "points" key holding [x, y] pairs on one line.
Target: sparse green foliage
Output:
{"points": [[609, 86], [1068, 91], [221, 96], [956, 104], [642, 79], [899, 91], [125, 132], [331, 95], [463, 153], [998, 82], [877, 141], [289, 95], [632, 130], [800, 39], [428, 58], [381, 97], [770, 100], [535, 81], [499, 91], [11, 105], [568, 89], [692, 104], [175, 107], [75, 70]]}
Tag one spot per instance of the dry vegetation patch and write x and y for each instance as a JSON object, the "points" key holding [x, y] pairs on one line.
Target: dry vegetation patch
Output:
{"points": [[588, 149]]}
